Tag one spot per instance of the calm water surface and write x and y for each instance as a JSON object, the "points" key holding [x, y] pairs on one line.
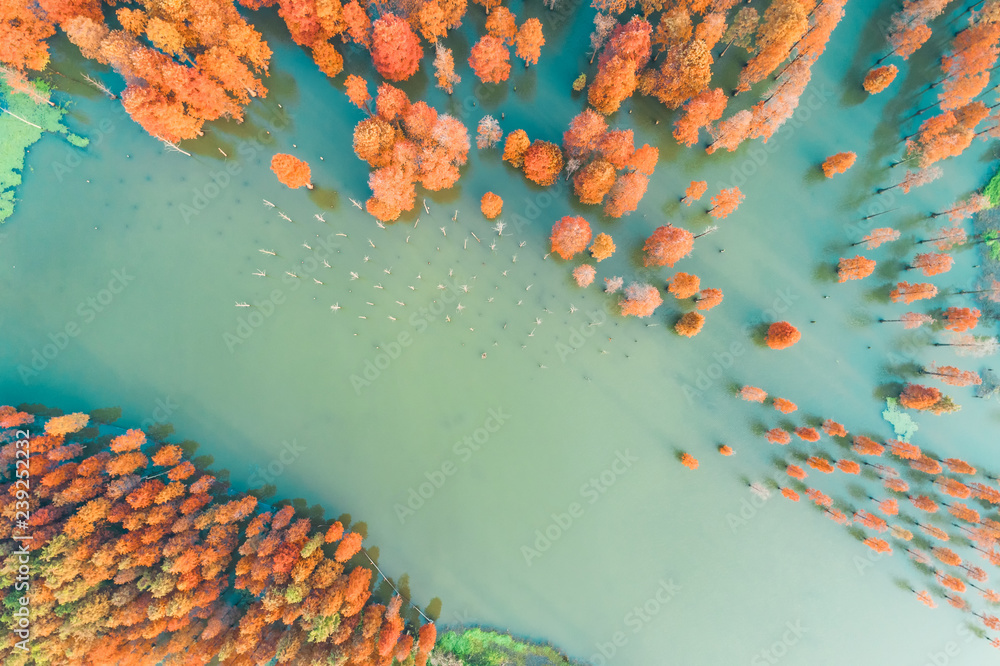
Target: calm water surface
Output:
{"points": [[563, 427]]}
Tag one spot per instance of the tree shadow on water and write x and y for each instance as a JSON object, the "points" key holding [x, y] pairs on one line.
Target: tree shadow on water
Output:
{"points": [[324, 197]]}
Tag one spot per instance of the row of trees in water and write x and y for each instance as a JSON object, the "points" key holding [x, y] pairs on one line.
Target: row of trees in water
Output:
{"points": [[133, 554], [934, 509]]}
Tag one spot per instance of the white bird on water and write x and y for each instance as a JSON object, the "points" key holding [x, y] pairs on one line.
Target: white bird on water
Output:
{"points": [[354, 276], [538, 321], [572, 308], [260, 273], [291, 274], [326, 264], [367, 258], [379, 224], [387, 271], [317, 281], [242, 304], [356, 204], [459, 307], [284, 217], [426, 209], [321, 218], [444, 231], [306, 246], [513, 259], [499, 227], [335, 307], [268, 203], [270, 252]]}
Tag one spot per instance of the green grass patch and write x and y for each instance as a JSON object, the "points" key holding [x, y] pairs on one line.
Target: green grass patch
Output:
{"points": [[480, 647]]}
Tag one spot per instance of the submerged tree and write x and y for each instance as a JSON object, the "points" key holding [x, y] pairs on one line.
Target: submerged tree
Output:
{"points": [[781, 335], [838, 163], [570, 235], [640, 300], [291, 171], [667, 245]]}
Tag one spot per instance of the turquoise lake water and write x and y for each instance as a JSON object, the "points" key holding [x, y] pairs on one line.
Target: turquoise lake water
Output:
{"points": [[563, 426]]}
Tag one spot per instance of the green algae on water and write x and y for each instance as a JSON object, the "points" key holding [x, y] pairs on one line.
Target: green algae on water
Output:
{"points": [[903, 425], [19, 136]]}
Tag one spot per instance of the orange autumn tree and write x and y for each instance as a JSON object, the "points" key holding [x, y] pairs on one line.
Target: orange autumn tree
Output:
{"points": [[879, 236], [907, 293], [408, 144], [444, 68], [529, 41], [708, 299], [602, 248], [683, 285], [838, 163], [856, 268], [781, 335], [515, 147], [725, 202], [879, 78], [396, 50], [752, 394], [785, 22], [690, 324], [291, 171], [490, 60], [180, 568], [491, 205], [570, 235], [689, 461], [931, 263], [959, 320], [626, 52], [699, 112], [542, 162], [694, 191], [667, 245], [640, 300], [584, 275], [915, 396]]}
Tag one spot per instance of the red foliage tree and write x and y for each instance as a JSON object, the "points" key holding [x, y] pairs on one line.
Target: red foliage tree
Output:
{"points": [[570, 235], [725, 202], [838, 163], [490, 60], [932, 263], [640, 300], [694, 191], [626, 194], [856, 268], [667, 245], [542, 162], [959, 320], [291, 171], [395, 48], [907, 293], [915, 396], [690, 324], [781, 335], [879, 78], [700, 111], [529, 41]]}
